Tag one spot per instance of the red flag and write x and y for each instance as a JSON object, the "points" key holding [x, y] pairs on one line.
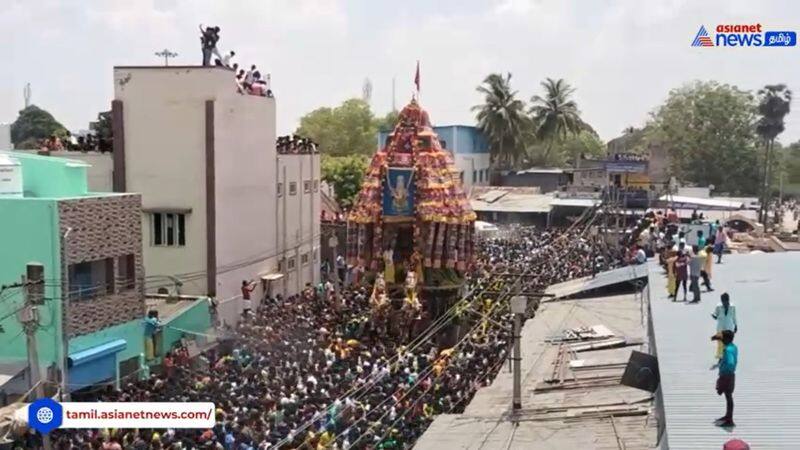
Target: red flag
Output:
{"points": [[416, 77]]}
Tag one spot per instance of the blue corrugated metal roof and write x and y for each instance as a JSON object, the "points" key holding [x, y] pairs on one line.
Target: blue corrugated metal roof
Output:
{"points": [[764, 289], [98, 351]]}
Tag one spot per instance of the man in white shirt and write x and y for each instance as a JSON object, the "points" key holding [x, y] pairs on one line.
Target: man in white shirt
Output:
{"points": [[725, 315], [226, 60]]}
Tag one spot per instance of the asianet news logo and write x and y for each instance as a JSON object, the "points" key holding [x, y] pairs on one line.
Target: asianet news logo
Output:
{"points": [[743, 36]]}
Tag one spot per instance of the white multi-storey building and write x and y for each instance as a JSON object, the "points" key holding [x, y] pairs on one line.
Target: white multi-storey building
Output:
{"points": [[215, 212]]}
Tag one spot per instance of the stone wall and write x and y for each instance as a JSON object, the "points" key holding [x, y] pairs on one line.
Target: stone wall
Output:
{"points": [[103, 227]]}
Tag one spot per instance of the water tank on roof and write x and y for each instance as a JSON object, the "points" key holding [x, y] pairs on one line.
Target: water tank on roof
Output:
{"points": [[10, 177]]}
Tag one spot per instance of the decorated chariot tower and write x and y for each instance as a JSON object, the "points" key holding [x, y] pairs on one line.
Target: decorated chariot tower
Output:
{"points": [[411, 225]]}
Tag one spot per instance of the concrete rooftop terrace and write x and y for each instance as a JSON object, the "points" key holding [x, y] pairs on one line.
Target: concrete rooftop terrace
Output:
{"points": [[765, 288], [590, 412]]}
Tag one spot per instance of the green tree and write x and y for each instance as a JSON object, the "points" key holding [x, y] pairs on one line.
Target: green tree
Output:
{"points": [[34, 124], [348, 129], [791, 163], [388, 122], [773, 106], [566, 151], [345, 174], [501, 118], [708, 130], [104, 131], [555, 116]]}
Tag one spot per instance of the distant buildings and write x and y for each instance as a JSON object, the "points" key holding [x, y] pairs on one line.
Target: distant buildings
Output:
{"points": [[470, 152]]}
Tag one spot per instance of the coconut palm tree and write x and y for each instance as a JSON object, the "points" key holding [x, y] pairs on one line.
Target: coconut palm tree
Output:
{"points": [[773, 105], [555, 115], [502, 119]]}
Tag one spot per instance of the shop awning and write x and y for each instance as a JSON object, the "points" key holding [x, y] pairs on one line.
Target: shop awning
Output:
{"points": [[94, 365], [272, 276]]}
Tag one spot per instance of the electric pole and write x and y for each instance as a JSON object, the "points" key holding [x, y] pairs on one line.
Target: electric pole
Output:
{"points": [[33, 290], [519, 304], [394, 107], [26, 93]]}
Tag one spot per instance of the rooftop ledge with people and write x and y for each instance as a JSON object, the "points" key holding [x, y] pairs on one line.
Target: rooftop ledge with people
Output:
{"points": [[258, 86]]}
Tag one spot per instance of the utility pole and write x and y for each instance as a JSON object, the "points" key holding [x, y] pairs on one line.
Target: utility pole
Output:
{"points": [[63, 363], [33, 285], [26, 93], [333, 243], [518, 306], [394, 106]]}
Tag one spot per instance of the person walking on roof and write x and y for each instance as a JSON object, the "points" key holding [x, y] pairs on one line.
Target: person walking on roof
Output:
{"points": [[695, 266], [708, 254], [725, 315], [681, 273], [726, 381], [719, 242]]}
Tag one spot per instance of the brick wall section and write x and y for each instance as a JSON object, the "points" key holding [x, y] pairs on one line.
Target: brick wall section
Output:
{"points": [[103, 227]]}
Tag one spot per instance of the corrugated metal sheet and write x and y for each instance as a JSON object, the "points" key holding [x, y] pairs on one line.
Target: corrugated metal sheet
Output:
{"points": [[679, 201], [764, 288], [578, 202], [515, 202], [602, 279]]}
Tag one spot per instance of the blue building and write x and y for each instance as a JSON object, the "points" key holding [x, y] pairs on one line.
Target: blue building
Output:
{"points": [[470, 151]]}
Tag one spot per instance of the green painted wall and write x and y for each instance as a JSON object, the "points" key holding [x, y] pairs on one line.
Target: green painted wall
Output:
{"points": [[194, 318], [48, 177], [28, 233]]}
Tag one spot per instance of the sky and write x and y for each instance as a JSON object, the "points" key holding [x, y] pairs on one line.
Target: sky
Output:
{"points": [[622, 57]]}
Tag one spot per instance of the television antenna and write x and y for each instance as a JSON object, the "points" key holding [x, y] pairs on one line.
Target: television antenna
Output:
{"points": [[166, 54]]}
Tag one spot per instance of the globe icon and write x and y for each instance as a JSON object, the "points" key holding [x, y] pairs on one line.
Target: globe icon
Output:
{"points": [[44, 415]]}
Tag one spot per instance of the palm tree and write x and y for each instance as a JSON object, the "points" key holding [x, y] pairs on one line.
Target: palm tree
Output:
{"points": [[555, 115], [773, 105], [502, 119]]}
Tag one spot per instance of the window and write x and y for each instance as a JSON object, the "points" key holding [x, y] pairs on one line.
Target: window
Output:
{"points": [[91, 279], [307, 186], [316, 254], [280, 265], [280, 189], [304, 259], [292, 188], [316, 185], [168, 229], [474, 176], [127, 272], [291, 263]]}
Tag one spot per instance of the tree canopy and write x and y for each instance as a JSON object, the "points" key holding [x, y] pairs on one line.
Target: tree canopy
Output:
{"points": [[34, 124], [387, 122], [708, 130], [345, 174], [555, 116], [566, 151], [348, 129], [501, 118]]}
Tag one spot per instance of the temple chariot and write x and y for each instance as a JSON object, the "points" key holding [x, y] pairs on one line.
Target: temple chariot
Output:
{"points": [[411, 228]]}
